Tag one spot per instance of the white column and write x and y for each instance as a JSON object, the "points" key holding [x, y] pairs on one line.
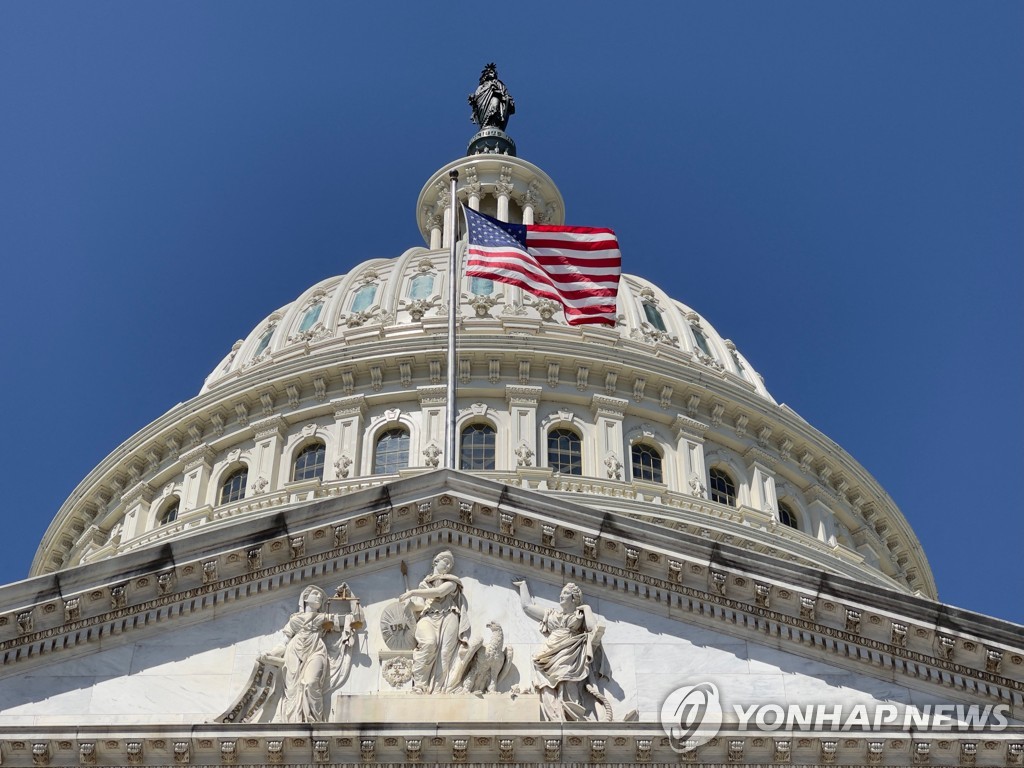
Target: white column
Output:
{"points": [[349, 413], [266, 456], [474, 200], [821, 514], [137, 501], [762, 480], [447, 238], [527, 214], [522, 405], [502, 207], [609, 413], [198, 464], [433, 420], [690, 454], [435, 223]]}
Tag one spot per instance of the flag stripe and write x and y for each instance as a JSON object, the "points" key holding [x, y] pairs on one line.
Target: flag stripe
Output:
{"points": [[578, 267], [572, 245], [567, 281], [555, 282], [570, 297]]}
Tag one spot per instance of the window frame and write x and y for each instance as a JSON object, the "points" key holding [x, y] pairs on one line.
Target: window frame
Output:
{"points": [[391, 467], [787, 509], [713, 491], [658, 472], [173, 504], [238, 472], [316, 445], [478, 427], [565, 468]]}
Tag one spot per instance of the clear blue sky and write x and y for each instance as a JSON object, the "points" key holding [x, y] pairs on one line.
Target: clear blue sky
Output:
{"points": [[838, 187]]}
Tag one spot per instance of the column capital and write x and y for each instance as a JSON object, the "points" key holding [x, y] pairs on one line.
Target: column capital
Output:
{"points": [[608, 407], [201, 455], [433, 394], [523, 395], [689, 428], [755, 454], [354, 405], [272, 426]]}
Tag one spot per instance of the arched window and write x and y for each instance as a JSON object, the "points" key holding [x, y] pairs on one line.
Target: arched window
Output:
{"points": [[477, 447], [421, 287], [309, 464], [565, 452], [364, 297], [647, 463], [481, 286], [169, 513], [312, 315], [392, 452], [723, 489], [787, 516], [264, 341], [654, 317], [233, 487]]}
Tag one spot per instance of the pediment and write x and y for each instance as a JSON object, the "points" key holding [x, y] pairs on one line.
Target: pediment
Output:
{"points": [[171, 634]]}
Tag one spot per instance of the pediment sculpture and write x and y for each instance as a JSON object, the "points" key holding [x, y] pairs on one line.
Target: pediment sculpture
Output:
{"points": [[429, 651]]}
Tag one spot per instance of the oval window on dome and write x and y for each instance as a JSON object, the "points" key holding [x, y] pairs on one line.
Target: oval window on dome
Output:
{"points": [[481, 286], [264, 341], [312, 315], [364, 297], [654, 317], [702, 340], [740, 367], [421, 287]]}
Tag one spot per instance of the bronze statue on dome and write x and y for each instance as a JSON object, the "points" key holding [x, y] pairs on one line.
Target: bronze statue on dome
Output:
{"points": [[492, 105]]}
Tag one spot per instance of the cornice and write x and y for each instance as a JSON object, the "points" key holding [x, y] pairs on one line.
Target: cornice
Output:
{"points": [[480, 744], [716, 585]]}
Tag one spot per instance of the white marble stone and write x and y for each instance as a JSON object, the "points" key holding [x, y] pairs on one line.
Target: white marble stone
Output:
{"points": [[192, 672], [413, 708]]}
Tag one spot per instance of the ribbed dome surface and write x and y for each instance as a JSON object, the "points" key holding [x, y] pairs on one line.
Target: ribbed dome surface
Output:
{"points": [[407, 294]]}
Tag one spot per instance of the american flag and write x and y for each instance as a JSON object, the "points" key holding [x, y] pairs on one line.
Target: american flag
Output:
{"points": [[578, 267]]}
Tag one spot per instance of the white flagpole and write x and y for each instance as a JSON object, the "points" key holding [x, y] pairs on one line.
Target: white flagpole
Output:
{"points": [[453, 305]]}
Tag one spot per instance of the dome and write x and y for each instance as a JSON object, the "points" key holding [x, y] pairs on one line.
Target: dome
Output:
{"points": [[658, 418], [406, 295]]}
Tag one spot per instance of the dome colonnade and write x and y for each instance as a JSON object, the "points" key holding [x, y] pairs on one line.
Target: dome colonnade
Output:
{"points": [[658, 417]]}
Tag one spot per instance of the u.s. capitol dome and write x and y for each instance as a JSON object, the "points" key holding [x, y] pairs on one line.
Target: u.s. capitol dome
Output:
{"points": [[658, 418]]}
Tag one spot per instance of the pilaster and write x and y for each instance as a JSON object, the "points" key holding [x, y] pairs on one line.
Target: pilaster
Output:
{"points": [[433, 412], [690, 454], [522, 405], [265, 468], [609, 413], [349, 415], [197, 463], [762, 480]]}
